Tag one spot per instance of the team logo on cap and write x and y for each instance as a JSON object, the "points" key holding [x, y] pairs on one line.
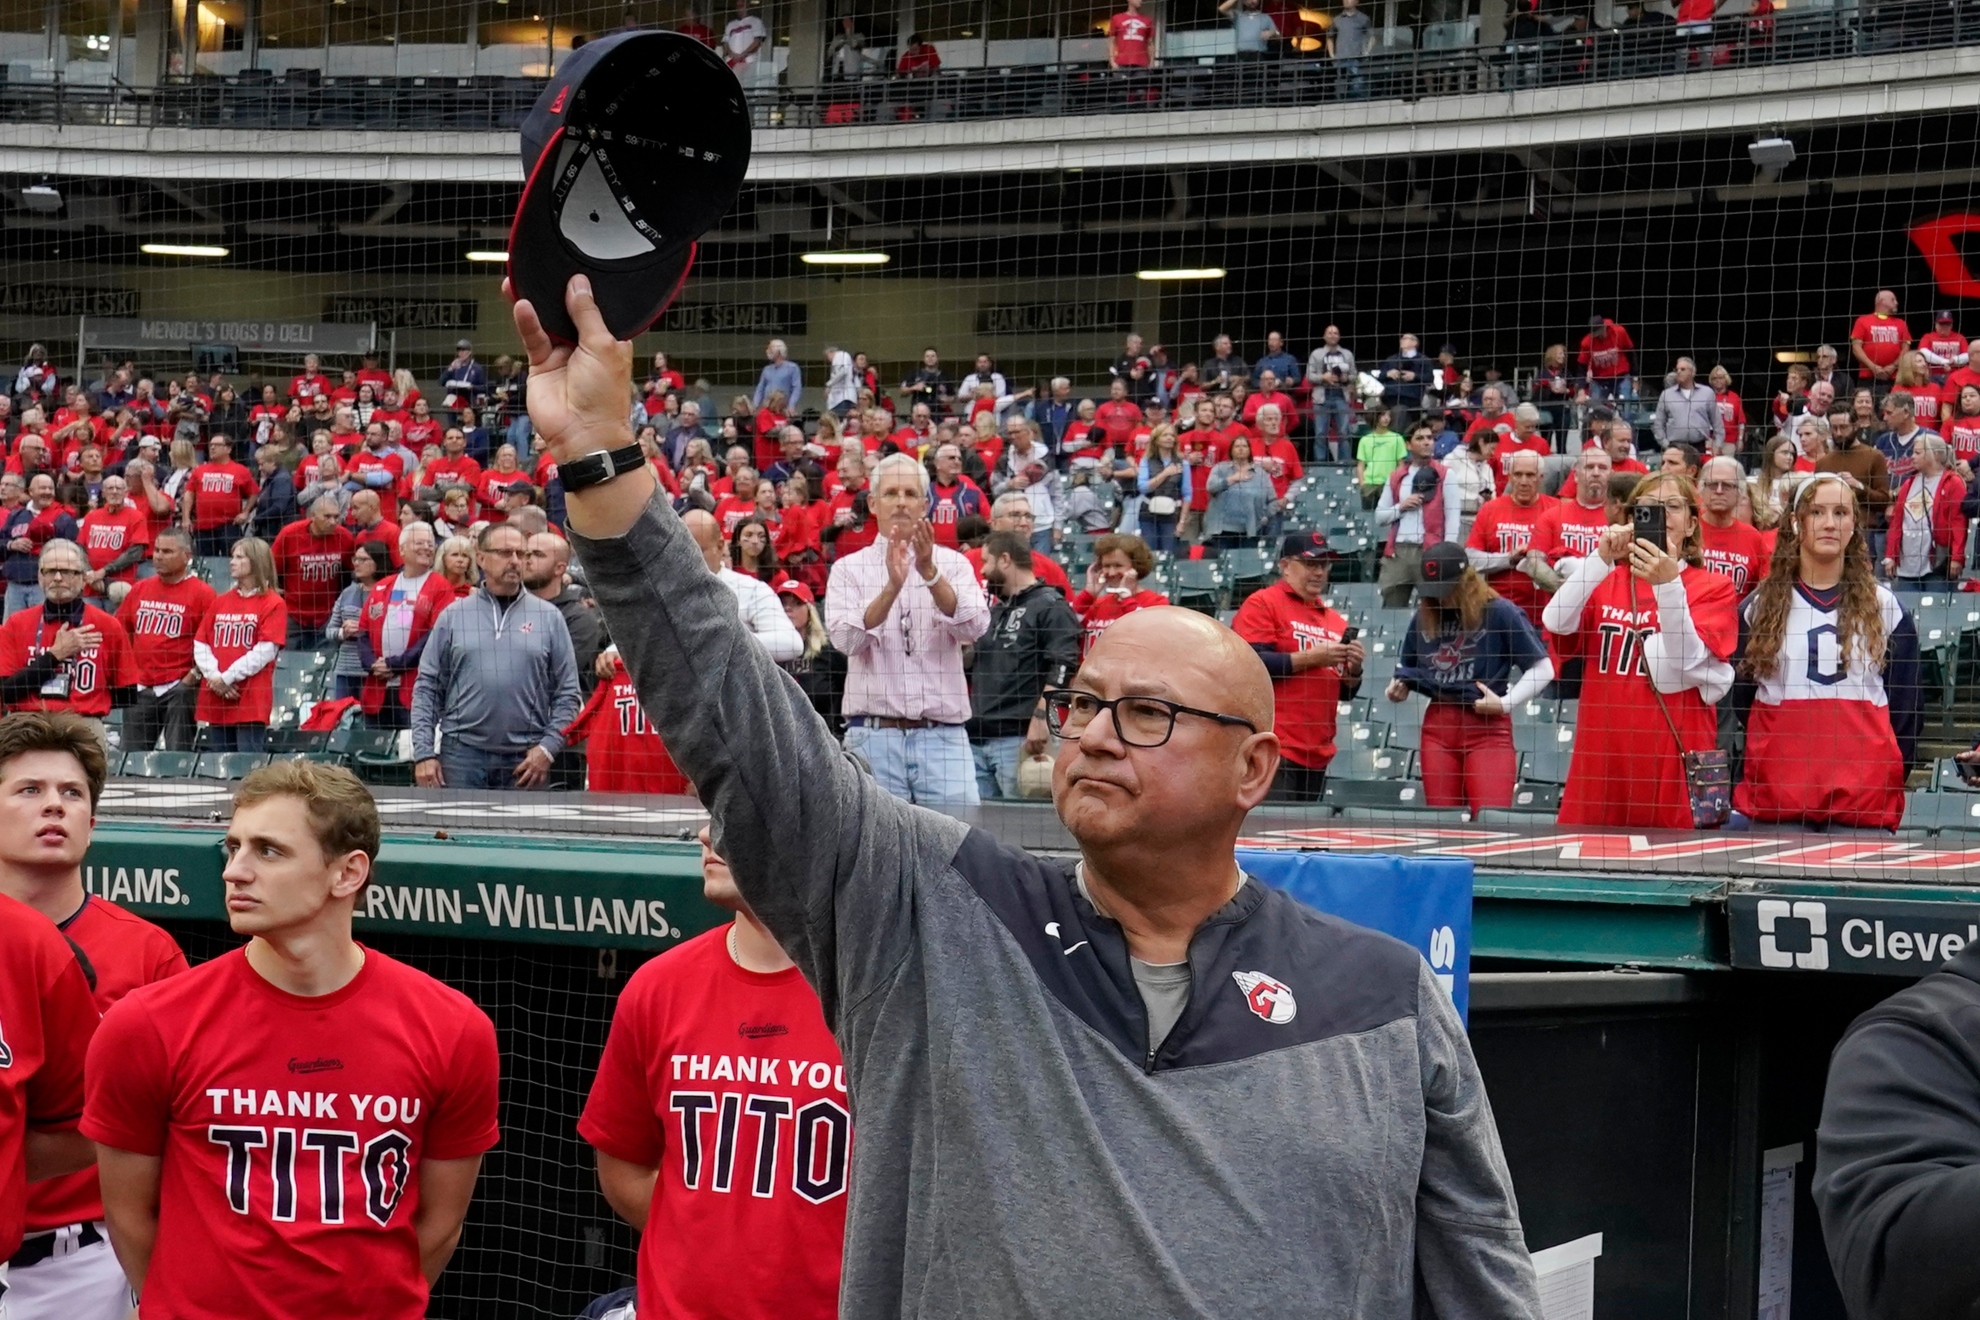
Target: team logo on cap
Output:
{"points": [[1269, 998]]}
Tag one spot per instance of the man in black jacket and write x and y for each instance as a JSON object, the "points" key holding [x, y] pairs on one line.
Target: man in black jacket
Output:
{"points": [[1032, 644], [1897, 1158]]}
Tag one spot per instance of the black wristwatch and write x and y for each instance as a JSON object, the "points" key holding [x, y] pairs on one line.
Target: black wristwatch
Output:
{"points": [[599, 466]]}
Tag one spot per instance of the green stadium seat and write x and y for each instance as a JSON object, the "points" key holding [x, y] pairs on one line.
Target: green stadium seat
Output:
{"points": [[1370, 763], [298, 740], [1375, 794], [1942, 812], [1247, 570], [160, 765], [1546, 765], [113, 763], [1946, 778], [1199, 586], [228, 765], [1529, 800]]}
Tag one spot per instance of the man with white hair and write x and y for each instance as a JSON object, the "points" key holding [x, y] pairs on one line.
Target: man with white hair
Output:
{"points": [[1024, 468], [1732, 546], [1688, 411], [902, 610], [1011, 512], [1621, 444], [687, 427], [779, 373], [64, 654], [1503, 533], [1493, 415]]}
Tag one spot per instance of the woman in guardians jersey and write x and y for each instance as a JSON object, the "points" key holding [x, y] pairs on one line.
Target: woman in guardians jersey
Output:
{"points": [[1649, 623], [1829, 661]]}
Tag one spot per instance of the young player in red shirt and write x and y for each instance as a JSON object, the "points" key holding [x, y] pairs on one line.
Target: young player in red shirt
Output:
{"points": [[1878, 338], [313, 562], [64, 654], [216, 493], [235, 650], [1130, 37], [51, 776], [1634, 613], [1113, 585], [1503, 532], [116, 536], [224, 1197], [1732, 547], [727, 1149], [46, 1020], [161, 615], [1299, 637]]}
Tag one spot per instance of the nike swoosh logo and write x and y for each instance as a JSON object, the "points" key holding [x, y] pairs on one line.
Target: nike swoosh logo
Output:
{"points": [[1075, 948], [1052, 929]]}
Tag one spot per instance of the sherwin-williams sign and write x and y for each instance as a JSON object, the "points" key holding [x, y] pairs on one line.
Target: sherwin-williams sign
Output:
{"points": [[626, 895]]}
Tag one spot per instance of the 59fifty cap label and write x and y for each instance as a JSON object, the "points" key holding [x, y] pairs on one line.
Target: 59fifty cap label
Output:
{"points": [[594, 214]]}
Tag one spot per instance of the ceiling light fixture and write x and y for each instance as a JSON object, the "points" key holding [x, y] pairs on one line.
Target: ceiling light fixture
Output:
{"points": [[487, 255], [1183, 273], [181, 250], [845, 258]]}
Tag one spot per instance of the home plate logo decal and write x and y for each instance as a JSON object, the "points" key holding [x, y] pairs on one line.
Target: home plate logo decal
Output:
{"points": [[1269, 999]]}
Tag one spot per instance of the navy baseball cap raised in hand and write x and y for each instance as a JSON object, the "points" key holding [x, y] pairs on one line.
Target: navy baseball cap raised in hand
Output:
{"points": [[635, 149]]}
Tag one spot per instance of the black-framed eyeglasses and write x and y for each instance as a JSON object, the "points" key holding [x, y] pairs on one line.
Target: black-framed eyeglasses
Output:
{"points": [[1139, 721]]}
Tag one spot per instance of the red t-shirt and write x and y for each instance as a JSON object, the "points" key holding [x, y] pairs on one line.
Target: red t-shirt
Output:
{"points": [[1739, 551], [305, 388], [848, 539], [162, 620], [1606, 356], [1949, 344], [1569, 530], [234, 625], [1926, 401], [1883, 338], [1308, 703], [1963, 434], [1132, 33], [728, 1082], [125, 951], [948, 505], [1626, 771], [312, 569], [1732, 410], [291, 1131], [1505, 528], [623, 752], [730, 511], [1081, 439], [419, 434], [91, 674], [1116, 420], [220, 491], [463, 471], [361, 467], [1502, 423], [1510, 444], [46, 1019], [1290, 468], [105, 535], [494, 489], [1096, 612]]}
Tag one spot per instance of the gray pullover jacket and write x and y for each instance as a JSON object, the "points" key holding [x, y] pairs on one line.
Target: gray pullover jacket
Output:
{"points": [[497, 681], [1313, 1143]]}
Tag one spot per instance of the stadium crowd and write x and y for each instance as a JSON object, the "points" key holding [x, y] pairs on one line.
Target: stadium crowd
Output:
{"points": [[926, 560]]}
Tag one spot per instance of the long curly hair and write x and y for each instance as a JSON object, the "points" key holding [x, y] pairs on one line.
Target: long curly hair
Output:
{"points": [[1859, 619]]}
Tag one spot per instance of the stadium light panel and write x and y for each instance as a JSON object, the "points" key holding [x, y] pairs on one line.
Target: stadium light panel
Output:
{"points": [[1183, 273], [479, 255], [845, 258], [181, 250]]}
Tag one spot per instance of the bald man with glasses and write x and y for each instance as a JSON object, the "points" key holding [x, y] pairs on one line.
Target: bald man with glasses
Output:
{"points": [[1067, 1072]]}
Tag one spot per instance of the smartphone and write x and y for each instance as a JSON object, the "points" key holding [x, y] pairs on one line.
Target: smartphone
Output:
{"points": [[1351, 633], [1650, 525]]}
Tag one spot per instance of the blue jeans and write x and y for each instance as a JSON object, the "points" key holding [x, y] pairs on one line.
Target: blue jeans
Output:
{"points": [[470, 767], [1930, 582], [1622, 387], [518, 433], [1041, 541], [930, 766], [237, 737], [997, 766], [22, 596], [1159, 532], [1333, 428], [1351, 83]]}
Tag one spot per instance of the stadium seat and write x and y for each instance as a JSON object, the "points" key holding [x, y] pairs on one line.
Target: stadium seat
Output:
{"points": [[228, 765], [298, 740], [1375, 794], [1371, 733], [1370, 763], [160, 765], [1941, 812], [1946, 778], [1546, 765], [1529, 799], [1247, 570], [1199, 586], [113, 763], [1531, 735]]}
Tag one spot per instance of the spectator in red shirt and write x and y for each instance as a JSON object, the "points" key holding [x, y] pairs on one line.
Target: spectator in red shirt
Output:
{"points": [[312, 563], [1525, 439], [116, 536], [1276, 454], [1943, 348], [310, 382], [497, 481], [952, 496], [1130, 38], [1269, 395], [218, 499], [1299, 637], [1493, 415], [1113, 585], [235, 651], [1011, 512], [918, 58], [1604, 357], [1731, 408], [64, 654], [1621, 444], [1876, 341]]}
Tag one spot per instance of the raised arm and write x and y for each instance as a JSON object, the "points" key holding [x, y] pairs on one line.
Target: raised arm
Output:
{"points": [[834, 889]]}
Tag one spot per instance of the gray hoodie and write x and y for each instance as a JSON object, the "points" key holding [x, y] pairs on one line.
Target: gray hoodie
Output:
{"points": [[1311, 1138], [499, 681]]}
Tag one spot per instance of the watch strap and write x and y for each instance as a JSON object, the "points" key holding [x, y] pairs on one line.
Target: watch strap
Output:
{"points": [[599, 466]]}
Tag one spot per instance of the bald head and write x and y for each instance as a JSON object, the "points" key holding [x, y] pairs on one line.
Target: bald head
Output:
{"points": [[1188, 797], [707, 534]]}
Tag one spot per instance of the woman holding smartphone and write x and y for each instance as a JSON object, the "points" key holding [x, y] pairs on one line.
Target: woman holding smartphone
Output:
{"points": [[1655, 631], [1461, 653], [1828, 659]]}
